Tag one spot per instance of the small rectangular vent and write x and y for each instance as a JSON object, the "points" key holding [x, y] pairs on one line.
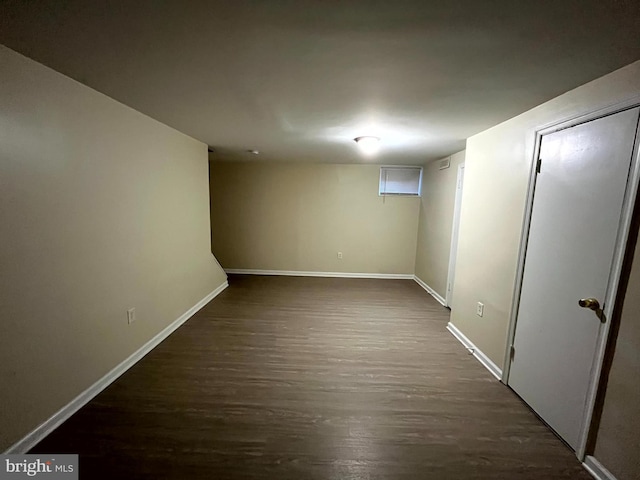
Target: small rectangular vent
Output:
{"points": [[445, 163]]}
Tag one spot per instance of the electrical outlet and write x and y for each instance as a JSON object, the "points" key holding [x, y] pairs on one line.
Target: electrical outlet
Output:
{"points": [[339, 255], [480, 309], [131, 315]]}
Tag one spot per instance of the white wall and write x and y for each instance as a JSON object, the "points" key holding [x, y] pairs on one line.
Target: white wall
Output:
{"points": [[101, 209]]}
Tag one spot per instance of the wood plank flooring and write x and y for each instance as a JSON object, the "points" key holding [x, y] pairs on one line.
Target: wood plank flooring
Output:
{"points": [[312, 378]]}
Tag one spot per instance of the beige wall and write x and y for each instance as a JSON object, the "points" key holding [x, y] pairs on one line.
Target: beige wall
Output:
{"points": [[497, 167], [101, 209], [436, 222], [618, 440], [285, 216]]}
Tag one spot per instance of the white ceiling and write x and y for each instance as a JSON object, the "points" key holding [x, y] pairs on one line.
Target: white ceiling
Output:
{"points": [[299, 79]]}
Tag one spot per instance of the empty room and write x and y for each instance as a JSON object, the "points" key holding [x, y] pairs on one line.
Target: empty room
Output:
{"points": [[319, 240]]}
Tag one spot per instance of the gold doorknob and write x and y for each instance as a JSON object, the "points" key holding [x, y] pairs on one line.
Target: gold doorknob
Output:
{"points": [[591, 303]]}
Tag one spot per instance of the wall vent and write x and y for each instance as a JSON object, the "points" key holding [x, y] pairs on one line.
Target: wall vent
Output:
{"points": [[446, 163]]}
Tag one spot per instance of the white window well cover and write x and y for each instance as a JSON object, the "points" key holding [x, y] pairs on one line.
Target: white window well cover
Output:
{"points": [[400, 181]]}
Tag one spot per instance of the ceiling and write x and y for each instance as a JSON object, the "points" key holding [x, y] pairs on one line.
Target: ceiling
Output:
{"points": [[299, 79]]}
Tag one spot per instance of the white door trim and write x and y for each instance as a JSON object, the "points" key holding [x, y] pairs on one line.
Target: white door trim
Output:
{"points": [[616, 269], [454, 235]]}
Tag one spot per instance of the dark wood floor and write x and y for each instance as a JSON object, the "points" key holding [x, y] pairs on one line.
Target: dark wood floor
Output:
{"points": [[312, 378]]}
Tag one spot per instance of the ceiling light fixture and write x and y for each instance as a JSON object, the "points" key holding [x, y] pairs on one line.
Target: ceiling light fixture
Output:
{"points": [[368, 145]]}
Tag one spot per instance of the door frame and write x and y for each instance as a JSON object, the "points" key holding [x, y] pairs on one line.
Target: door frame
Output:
{"points": [[455, 229], [616, 268]]}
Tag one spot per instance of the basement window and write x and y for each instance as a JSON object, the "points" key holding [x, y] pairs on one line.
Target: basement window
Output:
{"points": [[400, 181]]}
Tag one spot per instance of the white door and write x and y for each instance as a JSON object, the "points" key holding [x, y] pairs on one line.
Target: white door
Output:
{"points": [[453, 251], [575, 219]]}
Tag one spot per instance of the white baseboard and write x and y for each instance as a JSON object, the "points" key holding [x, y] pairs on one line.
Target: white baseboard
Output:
{"points": [[298, 273], [431, 291], [596, 469], [35, 436], [481, 357]]}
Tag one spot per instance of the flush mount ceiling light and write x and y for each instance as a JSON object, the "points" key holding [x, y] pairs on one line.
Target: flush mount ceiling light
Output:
{"points": [[368, 145]]}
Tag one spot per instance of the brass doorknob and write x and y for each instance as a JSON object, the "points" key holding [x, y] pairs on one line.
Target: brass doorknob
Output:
{"points": [[591, 303]]}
